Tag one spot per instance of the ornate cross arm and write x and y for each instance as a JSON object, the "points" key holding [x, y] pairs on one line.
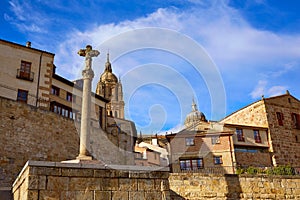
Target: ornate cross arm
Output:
{"points": [[88, 53]]}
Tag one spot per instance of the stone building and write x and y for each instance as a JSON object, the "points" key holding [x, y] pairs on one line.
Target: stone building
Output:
{"points": [[151, 153], [201, 147], [275, 126], [26, 74]]}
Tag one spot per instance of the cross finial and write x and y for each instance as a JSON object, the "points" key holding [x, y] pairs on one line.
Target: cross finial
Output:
{"points": [[88, 53]]}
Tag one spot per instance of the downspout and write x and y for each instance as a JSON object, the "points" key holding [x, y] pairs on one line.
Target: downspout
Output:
{"points": [[38, 81]]}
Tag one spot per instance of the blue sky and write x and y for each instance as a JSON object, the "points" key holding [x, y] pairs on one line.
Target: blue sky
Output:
{"points": [[253, 47]]}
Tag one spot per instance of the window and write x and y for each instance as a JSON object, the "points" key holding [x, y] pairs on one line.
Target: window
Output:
{"points": [[25, 71], [215, 140], [257, 137], [240, 135], [189, 142], [55, 90], [279, 116], [22, 96], [296, 120], [62, 110], [69, 97], [218, 160], [191, 164]]}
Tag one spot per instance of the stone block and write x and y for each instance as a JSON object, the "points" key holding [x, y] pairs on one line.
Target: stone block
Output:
{"points": [[48, 171], [77, 172], [153, 195], [49, 195], [136, 195], [36, 182], [109, 184], [158, 174], [58, 183], [84, 195], [85, 184], [133, 174], [126, 184], [32, 195], [102, 195], [105, 173], [119, 195], [145, 184]]}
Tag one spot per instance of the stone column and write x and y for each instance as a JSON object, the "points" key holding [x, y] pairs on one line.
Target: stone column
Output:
{"points": [[88, 76]]}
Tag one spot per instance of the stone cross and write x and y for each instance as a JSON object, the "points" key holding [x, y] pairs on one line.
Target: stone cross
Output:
{"points": [[88, 75]]}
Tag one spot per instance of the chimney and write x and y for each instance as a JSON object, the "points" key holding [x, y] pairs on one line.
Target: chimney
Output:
{"points": [[28, 44], [154, 141]]}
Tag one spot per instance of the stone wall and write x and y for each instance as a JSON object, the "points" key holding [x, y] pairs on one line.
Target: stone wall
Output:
{"points": [[194, 186], [90, 181], [252, 115], [284, 142], [28, 133]]}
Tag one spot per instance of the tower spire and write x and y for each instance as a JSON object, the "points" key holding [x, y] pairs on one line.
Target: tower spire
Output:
{"points": [[194, 105], [108, 64]]}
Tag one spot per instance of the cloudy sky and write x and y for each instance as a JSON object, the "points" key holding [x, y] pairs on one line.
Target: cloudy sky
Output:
{"points": [[223, 53]]}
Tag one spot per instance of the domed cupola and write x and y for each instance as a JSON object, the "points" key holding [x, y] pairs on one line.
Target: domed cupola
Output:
{"points": [[108, 76], [195, 116]]}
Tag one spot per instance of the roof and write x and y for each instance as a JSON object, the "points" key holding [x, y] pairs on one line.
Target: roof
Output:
{"points": [[244, 126], [263, 99], [199, 134], [24, 47]]}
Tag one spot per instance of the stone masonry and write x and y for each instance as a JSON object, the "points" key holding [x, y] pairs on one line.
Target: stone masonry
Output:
{"points": [[29, 133], [195, 186], [41, 180]]}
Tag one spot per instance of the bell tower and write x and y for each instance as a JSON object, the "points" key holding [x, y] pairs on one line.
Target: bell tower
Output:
{"points": [[110, 88]]}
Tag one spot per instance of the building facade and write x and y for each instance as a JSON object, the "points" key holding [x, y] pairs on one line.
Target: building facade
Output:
{"points": [[201, 146], [26, 74], [276, 120]]}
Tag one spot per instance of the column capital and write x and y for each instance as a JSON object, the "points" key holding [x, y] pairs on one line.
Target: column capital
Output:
{"points": [[88, 74]]}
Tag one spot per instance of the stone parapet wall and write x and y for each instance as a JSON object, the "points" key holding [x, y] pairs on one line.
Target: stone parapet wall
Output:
{"points": [[194, 186], [90, 181]]}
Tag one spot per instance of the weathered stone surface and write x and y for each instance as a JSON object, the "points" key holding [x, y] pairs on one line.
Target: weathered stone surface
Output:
{"points": [[103, 195], [233, 187], [58, 183], [44, 184]]}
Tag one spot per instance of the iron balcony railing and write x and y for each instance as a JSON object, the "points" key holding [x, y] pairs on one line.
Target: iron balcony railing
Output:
{"points": [[21, 74]]}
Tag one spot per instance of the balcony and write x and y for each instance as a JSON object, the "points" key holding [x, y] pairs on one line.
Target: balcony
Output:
{"points": [[21, 74]]}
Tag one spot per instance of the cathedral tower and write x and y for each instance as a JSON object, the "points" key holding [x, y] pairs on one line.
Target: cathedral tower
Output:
{"points": [[111, 88]]}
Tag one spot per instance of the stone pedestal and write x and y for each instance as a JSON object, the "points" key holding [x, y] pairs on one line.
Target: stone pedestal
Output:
{"points": [[55, 180]]}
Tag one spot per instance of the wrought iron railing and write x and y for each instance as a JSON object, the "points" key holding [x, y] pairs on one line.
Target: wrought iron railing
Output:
{"points": [[22, 74]]}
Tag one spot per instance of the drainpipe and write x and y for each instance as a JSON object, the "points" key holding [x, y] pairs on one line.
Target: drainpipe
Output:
{"points": [[38, 81]]}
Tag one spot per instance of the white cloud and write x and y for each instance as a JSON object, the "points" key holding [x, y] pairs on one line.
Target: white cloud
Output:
{"points": [[259, 89], [231, 41], [262, 89], [276, 90], [26, 17]]}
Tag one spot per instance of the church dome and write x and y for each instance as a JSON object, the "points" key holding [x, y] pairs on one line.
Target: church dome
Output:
{"points": [[107, 75], [194, 116]]}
